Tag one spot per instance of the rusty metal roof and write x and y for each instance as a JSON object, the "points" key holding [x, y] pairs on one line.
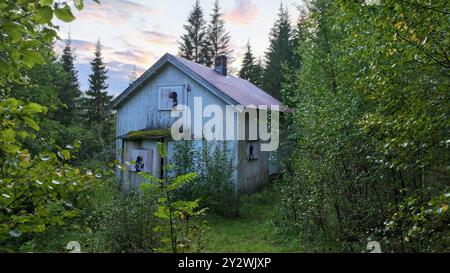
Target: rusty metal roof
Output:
{"points": [[240, 91]]}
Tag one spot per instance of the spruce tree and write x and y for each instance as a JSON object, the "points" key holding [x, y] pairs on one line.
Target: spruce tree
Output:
{"points": [[252, 69], [193, 45], [280, 52], [258, 73], [289, 87], [248, 64], [218, 40], [98, 100], [69, 93], [298, 36]]}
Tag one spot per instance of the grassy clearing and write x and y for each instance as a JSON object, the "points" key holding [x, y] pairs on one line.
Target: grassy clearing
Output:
{"points": [[251, 231]]}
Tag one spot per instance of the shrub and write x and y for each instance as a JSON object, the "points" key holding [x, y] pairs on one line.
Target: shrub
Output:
{"points": [[113, 221], [369, 127], [418, 226], [213, 163], [178, 233], [127, 223]]}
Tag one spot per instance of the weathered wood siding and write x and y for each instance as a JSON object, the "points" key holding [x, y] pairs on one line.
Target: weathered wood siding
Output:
{"points": [[252, 174], [141, 111]]}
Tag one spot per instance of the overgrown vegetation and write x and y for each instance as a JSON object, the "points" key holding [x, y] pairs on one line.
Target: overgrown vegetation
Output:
{"points": [[214, 164], [366, 146], [178, 232], [370, 127], [40, 186], [121, 223]]}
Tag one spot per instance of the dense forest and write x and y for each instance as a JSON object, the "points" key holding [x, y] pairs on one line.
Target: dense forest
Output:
{"points": [[365, 152]]}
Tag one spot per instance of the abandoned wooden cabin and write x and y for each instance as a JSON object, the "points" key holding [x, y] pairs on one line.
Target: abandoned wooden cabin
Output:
{"points": [[144, 118]]}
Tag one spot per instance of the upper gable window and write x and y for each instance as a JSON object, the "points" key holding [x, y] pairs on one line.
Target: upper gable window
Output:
{"points": [[170, 96]]}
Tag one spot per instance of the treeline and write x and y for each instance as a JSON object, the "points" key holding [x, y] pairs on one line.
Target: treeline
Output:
{"points": [[366, 147], [54, 139], [203, 42], [72, 114], [269, 73], [369, 133]]}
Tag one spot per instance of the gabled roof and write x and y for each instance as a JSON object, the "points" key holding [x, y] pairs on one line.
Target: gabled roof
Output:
{"points": [[232, 90]]}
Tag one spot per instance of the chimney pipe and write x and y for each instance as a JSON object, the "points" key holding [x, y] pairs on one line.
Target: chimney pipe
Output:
{"points": [[221, 65]]}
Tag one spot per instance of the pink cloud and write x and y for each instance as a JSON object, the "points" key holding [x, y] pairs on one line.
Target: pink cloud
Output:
{"points": [[82, 45], [125, 69], [77, 45], [114, 12], [156, 37], [137, 57], [83, 50], [244, 12]]}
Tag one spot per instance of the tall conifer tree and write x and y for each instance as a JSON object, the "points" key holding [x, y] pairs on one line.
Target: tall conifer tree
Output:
{"points": [[248, 64], [218, 40], [252, 69], [69, 93], [193, 45], [258, 73], [98, 100], [280, 52]]}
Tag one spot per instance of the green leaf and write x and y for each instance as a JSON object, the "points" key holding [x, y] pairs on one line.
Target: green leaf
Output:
{"points": [[64, 14], [29, 44], [30, 122], [65, 154], [7, 135], [10, 148], [46, 2], [15, 36], [44, 15], [150, 177], [30, 58], [181, 180], [33, 108], [77, 144], [147, 186], [79, 4], [3, 67], [162, 149]]}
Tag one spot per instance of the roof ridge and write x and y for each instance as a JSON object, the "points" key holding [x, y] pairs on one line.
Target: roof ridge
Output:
{"points": [[212, 69], [232, 89]]}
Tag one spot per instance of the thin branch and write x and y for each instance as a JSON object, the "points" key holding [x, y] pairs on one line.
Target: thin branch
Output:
{"points": [[429, 8], [413, 44]]}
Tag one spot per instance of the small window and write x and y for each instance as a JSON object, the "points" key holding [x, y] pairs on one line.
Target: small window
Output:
{"points": [[170, 97], [252, 150], [140, 160]]}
